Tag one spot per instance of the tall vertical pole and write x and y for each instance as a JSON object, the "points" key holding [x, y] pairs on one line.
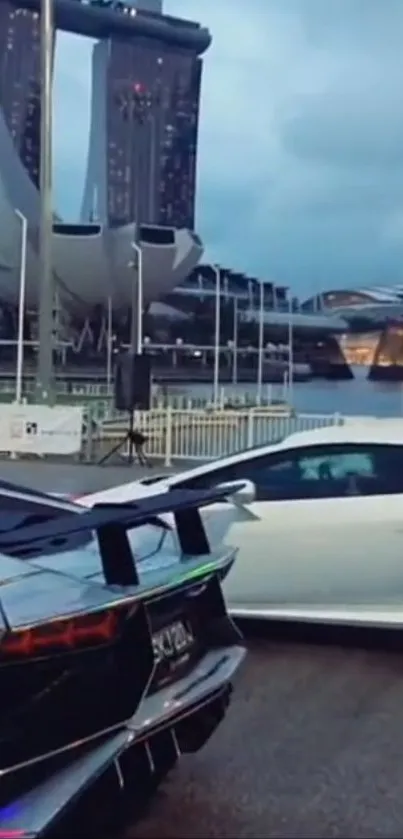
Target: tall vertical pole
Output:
{"points": [[136, 327], [140, 105], [151, 199], [109, 347], [217, 335], [290, 352], [21, 306], [44, 382], [235, 343], [133, 140], [260, 349]]}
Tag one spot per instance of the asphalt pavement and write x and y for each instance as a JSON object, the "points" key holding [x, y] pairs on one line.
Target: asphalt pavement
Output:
{"points": [[70, 477], [312, 745]]}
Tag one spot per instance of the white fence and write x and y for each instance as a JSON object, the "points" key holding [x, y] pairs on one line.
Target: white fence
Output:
{"points": [[205, 435], [172, 434]]}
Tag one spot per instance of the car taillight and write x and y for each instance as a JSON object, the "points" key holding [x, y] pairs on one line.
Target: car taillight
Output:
{"points": [[13, 834], [60, 636]]}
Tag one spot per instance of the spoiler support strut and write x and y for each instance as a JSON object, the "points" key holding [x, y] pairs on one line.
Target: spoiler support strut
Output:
{"points": [[111, 522]]}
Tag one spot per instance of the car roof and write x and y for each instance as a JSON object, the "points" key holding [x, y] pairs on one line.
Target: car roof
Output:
{"points": [[373, 431], [354, 430]]}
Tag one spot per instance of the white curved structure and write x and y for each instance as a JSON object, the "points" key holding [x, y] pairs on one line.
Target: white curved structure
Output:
{"points": [[370, 303], [91, 263]]}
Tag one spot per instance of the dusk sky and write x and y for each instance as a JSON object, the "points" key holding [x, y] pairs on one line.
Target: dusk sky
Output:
{"points": [[300, 175]]}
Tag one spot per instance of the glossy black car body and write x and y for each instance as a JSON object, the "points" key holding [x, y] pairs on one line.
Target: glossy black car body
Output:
{"points": [[107, 662]]}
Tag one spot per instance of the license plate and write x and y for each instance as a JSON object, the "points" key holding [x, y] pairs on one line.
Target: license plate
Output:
{"points": [[173, 641]]}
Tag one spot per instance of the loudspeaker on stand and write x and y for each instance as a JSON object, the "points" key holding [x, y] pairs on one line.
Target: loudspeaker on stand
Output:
{"points": [[132, 392], [133, 382]]}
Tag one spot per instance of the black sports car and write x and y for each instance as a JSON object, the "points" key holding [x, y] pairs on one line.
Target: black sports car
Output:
{"points": [[109, 662]]}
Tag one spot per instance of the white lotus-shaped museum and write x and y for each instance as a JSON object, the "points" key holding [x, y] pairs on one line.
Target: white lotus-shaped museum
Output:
{"points": [[91, 262]]}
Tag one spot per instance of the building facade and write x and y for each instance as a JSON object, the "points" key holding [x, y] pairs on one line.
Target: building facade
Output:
{"points": [[144, 120], [93, 260], [374, 315], [144, 124], [20, 88]]}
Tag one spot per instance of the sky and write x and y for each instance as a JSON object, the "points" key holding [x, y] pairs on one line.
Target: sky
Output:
{"points": [[300, 166]]}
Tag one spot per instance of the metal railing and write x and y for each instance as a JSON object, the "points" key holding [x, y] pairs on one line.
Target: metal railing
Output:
{"points": [[203, 435], [161, 397], [100, 397]]}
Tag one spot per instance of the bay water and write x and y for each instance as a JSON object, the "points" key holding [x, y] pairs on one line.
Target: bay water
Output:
{"points": [[357, 397]]}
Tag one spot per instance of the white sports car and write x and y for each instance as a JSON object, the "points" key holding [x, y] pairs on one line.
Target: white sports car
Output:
{"points": [[318, 521]]}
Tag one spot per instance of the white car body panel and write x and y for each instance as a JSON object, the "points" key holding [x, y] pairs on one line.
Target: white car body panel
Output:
{"points": [[337, 560], [324, 551]]}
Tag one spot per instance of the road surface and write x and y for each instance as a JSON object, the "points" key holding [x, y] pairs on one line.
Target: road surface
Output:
{"points": [[312, 745], [72, 478]]}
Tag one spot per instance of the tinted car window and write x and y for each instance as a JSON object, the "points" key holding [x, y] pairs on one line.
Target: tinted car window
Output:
{"points": [[276, 471], [337, 465], [330, 471], [355, 469]]}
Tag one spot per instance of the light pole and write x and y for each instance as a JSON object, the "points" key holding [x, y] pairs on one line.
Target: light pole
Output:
{"points": [[216, 380], [136, 325], [290, 352], [21, 306], [109, 347], [137, 107], [235, 343], [44, 382], [260, 349]]}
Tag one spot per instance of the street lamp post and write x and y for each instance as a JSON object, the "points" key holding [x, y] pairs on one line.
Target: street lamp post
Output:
{"points": [[137, 107], [260, 348], [44, 382], [235, 343], [217, 335], [290, 352], [21, 306], [109, 347], [136, 325]]}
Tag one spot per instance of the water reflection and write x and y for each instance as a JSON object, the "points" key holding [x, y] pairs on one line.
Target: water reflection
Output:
{"points": [[358, 396]]}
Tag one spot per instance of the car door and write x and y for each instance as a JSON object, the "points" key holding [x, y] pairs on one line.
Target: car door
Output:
{"points": [[324, 530]]}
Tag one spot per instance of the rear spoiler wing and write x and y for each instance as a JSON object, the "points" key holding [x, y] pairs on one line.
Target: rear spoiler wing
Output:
{"points": [[111, 523]]}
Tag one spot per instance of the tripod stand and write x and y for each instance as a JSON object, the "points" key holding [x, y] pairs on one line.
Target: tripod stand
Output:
{"points": [[135, 441]]}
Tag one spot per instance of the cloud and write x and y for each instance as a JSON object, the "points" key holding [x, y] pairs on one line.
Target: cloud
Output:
{"points": [[300, 172], [356, 121]]}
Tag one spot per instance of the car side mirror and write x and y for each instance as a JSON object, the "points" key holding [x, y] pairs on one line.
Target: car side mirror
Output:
{"points": [[244, 491]]}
